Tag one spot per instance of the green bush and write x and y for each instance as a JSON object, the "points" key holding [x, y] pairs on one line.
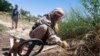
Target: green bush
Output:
{"points": [[72, 31], [74, 26], [3, 29]]}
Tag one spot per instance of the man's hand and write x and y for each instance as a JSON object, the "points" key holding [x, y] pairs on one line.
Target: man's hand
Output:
{"points": [[64, 44]]}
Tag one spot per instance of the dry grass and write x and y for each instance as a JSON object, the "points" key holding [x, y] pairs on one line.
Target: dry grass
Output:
{"points": [[88, 46]]}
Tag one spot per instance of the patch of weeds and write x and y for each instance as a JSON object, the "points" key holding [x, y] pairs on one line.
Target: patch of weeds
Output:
{"points": [[3, 29]]}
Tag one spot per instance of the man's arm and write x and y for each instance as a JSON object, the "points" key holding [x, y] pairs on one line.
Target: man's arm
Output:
{"points": [[19, 15]]}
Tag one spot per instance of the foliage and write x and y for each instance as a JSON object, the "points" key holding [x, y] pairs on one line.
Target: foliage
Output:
{"points": [[75, 25], [3, 29], [23, 12], [26, 15], [5, 5], [93, 8]]}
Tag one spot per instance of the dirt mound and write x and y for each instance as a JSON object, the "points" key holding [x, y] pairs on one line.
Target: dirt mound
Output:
{"points": [[89, 45], [57, 51]]}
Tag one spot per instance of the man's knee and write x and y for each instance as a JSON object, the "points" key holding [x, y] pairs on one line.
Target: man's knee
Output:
{"points": [[38, 31], [43, 27]]}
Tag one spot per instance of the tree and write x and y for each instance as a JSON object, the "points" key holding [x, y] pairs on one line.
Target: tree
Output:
{"points": [[23, 12], [93, 8], [5, 5]]}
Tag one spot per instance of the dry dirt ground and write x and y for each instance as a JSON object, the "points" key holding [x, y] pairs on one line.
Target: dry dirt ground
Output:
{"points": [[4, 43], [4, 47]]}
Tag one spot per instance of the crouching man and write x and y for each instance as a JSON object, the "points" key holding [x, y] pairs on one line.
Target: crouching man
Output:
{"points": [[45, 29]]}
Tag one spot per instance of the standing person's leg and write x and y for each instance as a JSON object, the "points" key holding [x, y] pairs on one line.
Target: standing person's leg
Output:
{"points": [[16, 23], [38, 32], [12, 23]]}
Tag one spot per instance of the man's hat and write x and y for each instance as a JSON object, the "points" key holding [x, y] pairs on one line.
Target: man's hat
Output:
{"points": [[60, 10]]}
